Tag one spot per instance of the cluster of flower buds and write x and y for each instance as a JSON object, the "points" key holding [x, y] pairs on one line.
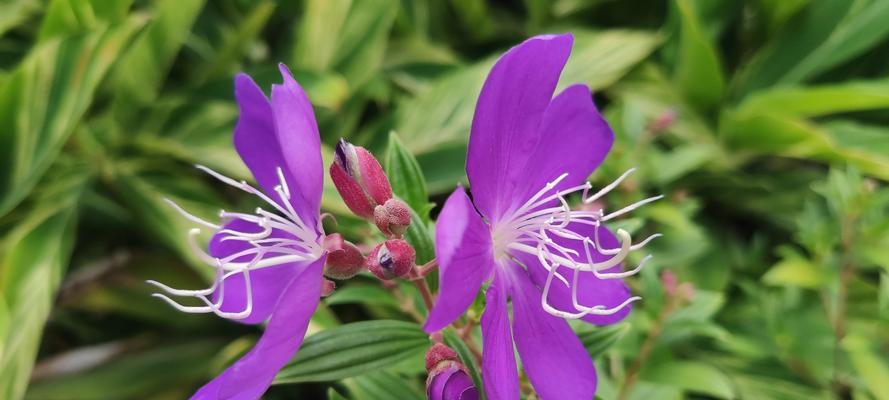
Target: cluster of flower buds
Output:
{"points": [[365, 189], [448, 379]]}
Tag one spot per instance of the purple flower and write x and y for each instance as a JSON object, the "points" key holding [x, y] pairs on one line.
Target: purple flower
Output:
{"points": [[527, 152], [269, 263]]}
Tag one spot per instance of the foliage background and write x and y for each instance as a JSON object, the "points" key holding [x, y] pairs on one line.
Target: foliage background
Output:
{"points": [[763, 121]]}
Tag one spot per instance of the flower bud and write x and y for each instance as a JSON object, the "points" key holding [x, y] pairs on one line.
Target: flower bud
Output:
{"points": [[393, 217], [391, 259], [344, 260], [438, 353], [359, 179], [447, 378], [327, 287]]}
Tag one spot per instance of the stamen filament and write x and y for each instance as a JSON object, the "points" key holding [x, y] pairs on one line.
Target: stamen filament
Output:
{"points": [[530, 229], [300, 243]]}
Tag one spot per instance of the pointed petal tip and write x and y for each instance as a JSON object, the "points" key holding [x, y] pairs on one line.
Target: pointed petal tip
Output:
{"points": [[564, 39], [285, 72]]}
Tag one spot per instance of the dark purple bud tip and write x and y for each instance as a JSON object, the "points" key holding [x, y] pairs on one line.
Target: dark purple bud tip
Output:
{"points": [[393, 217], [391, 259], [339, 155], [344, 260], [359, 179]]}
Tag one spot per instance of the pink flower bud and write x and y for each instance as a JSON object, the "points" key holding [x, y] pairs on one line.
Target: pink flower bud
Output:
{"points": [[447, 378], [438, 353], [669, 282], [393, 217], [359, 179], [327, 287], [344, 260], [391, 259]]}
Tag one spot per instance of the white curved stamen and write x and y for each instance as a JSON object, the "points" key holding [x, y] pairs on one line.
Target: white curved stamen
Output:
{"points": [[532, 228], [281, 239], [582, 310], [189, 216]]}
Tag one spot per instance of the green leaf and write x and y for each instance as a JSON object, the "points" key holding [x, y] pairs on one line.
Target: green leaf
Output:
{"points": [[354, 349], [826, 34], [361, 294], [142, 69], [405, 176], [43, 100], [334, 395], [170, 369], [236, 41], [33, 258], [73, 17], [15, 12], [698, 68], [794, 270], [837, 142], [778, 11], [146, 191], [383, 385], [870, 365], [813, 101], [691, 376], [453, 341], [600, 339], [599, 59], [345, 36], [419, 236]]}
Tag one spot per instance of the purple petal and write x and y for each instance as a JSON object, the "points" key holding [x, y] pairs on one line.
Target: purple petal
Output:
{"points": [[470, 393], [436, 388], [506, 125], [498, 359], [465, 258], [452, 383], [267, 136], [300, 145], [249, 377], [555, 361], [575, 140], [266, 284], [591, 291], [457, 386]]}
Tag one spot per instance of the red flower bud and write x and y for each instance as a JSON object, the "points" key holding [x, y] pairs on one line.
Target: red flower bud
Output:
{"points": [[438, 353], [391, 259], [344, 260], [393, 217], [359, 179]]}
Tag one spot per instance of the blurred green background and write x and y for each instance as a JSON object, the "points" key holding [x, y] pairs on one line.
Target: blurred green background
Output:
{"points": [[764, 122]]}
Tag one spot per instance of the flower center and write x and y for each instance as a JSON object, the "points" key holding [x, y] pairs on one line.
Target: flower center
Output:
{"points": [[281, 238], [545, 216]]}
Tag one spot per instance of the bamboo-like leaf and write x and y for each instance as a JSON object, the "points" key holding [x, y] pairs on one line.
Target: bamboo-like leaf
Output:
{"points": [[144, 66], [345, 36], [43, 100], [33, 259], [699, 67], [354, 349]]}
